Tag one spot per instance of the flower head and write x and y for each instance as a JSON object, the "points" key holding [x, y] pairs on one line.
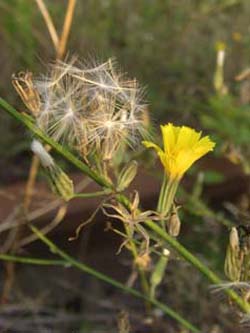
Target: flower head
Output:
{"points": [[93, 109], [182, 146]]}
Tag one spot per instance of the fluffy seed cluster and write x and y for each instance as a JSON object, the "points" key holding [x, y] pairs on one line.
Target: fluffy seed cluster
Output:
{"points": [[89, 108]]}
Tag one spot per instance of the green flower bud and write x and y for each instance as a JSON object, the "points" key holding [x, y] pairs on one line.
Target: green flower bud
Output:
{"points": [[127, 175]]}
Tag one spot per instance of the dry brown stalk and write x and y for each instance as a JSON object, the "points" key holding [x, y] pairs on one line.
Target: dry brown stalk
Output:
{"points": [[60, 48], [49, 22], [50, 226], [66, 29], [30, 183]]}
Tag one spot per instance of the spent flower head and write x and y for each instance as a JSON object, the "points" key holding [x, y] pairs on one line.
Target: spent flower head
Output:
{"points": [[182, 146], [95, 108]]}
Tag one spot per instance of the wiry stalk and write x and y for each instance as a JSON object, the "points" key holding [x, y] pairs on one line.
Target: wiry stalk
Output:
{"points": [[49, 22], [66, 29]]}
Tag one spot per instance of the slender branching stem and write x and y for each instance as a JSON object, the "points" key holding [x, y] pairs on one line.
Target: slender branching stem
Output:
{"points": [[82, 267], [187, 255]]}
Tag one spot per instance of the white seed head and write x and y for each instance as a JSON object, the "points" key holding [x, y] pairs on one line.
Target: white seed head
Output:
{"points": [[39, 150], [95, 104]]}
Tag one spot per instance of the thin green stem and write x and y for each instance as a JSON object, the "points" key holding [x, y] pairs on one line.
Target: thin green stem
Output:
{"points": [[33, 261], [91, 195], [81, 266]]}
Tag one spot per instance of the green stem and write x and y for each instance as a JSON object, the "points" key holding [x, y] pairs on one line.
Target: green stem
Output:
{"points": [[91, 195], [33, 261], [168, 311]]}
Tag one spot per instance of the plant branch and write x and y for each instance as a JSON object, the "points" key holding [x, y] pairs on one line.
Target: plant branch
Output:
{"points": [[32, 261], [82, 267], [209, 274]]}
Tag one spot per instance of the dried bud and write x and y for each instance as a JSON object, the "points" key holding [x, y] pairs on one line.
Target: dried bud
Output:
{"points": [[174, 225], [234, 239], [135, 202], [23, 83], [123, 322], [127, 175], [143, 261], [219, 85], [233, 260]]}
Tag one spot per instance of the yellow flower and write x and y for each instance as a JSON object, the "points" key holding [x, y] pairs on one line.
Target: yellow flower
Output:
{"points": [[182, 147]]}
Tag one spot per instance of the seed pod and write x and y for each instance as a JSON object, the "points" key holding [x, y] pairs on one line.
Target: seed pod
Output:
{"points": [[127, 175], [174, 225]]}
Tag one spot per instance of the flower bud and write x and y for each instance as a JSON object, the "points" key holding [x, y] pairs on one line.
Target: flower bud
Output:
{"points": [[60, 183], [159, 271], [174, 225], [234, 239], [127, 175], [233, 260]]}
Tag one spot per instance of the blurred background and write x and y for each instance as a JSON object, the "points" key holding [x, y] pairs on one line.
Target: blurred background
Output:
{"points": [[171, 47]]}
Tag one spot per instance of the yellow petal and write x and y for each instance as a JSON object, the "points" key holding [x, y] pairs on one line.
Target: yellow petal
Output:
{"points": [[169, 134], [182, 147], [149, 144], [187, 138]]}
